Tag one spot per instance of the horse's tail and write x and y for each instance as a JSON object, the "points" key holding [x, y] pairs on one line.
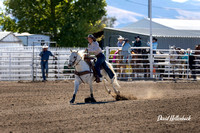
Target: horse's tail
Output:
{"points": [[115, 80]]}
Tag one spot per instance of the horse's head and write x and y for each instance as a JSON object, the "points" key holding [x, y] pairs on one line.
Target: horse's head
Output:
{"points": [[73, 58]]}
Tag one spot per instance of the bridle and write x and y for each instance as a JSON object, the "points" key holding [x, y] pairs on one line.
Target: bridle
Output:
{"points": [[73, 63]]}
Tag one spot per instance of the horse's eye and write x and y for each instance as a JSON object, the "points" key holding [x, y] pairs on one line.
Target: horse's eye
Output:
{"points": [[74, 56]]}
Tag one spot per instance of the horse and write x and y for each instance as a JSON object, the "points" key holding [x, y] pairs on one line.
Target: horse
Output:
{"points": [[84, 74]]}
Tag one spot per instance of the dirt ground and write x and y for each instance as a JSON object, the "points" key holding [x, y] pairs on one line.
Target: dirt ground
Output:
{"points": [[44, 107]]}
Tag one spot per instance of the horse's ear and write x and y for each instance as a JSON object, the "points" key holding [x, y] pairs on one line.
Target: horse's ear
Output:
{"points": [[70, 50], [77, 51]]}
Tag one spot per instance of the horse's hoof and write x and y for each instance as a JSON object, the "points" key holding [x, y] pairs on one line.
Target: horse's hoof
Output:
{"points": [[117, 92], [72, 101], [93, 100], [109, 91], [90, 100]]}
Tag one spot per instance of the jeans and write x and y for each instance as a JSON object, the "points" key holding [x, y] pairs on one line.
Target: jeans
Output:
{"points": [[101, 62], [126, 55], [44, 66]]}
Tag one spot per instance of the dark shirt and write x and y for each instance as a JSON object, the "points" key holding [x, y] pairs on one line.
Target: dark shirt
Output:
{"points": [[45, 55], [191, 62], [137, 44]]}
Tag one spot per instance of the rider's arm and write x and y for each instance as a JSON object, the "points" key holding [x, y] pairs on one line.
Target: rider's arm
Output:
{"points": [[41, 54]]}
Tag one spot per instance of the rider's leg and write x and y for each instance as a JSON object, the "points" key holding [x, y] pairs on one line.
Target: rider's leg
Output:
{"points": [[129, 57], [124, 56], [108, 70], [97, 66]]}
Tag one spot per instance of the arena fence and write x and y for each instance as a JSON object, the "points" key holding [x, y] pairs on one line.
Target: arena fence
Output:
{"points": [[23, 63], [168, 64]]}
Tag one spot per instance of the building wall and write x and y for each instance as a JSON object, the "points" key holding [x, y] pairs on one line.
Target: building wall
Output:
{"points": [[28, 40], [163, 42], [10, 41], [11, 44]]}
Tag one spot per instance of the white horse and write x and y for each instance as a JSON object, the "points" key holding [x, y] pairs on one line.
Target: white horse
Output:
{"points": [[76, 60]]}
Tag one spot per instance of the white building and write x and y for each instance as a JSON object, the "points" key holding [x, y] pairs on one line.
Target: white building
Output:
{"points": [[29, 39], [8, 39]]}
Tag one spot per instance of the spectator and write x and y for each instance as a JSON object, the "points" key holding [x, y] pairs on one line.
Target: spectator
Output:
{"points": [[120, 41], [137, 43], [44, 61], [126, 50], [154, 44], [192, 65]]}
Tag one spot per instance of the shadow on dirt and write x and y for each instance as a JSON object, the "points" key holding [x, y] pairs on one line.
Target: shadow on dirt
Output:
{"points": [[94, 103]]}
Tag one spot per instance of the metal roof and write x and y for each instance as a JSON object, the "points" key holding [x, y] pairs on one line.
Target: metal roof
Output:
{"points": [[178, 24], [3, 35], [28, 34], [158, 32]]}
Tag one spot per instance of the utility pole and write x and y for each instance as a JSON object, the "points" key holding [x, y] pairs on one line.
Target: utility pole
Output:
{"points": [[151, 48]]}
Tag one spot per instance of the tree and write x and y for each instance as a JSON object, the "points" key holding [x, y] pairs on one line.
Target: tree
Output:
{"points": [[7, 23], [109, 21], [66, 21]]}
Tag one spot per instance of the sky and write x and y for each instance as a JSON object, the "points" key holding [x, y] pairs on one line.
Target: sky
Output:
{"points": [[129, 11]]}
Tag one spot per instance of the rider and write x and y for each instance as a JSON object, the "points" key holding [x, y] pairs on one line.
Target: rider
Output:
{"points": [[93, 48]]}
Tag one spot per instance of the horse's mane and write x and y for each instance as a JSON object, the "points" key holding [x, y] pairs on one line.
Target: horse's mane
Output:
{"points": [[81, 53]]}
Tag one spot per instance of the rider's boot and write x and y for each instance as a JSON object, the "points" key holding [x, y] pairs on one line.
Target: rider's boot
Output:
{"points": [[98, 79]]}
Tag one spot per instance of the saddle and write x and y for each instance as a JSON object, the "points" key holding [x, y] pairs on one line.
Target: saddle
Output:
{"points": [[91, 62], [88, 60]]}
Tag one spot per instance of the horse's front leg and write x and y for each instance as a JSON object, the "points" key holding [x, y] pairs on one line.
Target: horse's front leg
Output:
{"points": [[76, 86], [91, 92]]}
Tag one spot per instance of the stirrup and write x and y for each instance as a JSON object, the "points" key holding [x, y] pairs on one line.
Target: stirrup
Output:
{"points": [[98, 80]]}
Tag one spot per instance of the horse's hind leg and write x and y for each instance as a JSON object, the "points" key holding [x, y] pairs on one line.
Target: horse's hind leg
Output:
{"points": [[107, 90], [114, 88], [76, 86]]}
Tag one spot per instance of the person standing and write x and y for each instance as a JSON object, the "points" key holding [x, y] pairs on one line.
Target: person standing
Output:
{"points": [[120, 41], [44, 61], [154, 44], [93, 48], [137, 43], [126, 50]]}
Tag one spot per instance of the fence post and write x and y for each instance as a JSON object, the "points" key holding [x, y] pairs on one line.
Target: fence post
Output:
{"points": [[9, 65], [169, 67], [33, 63], [107, 54], [36, 67], [58, 65], [188, 67]]}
